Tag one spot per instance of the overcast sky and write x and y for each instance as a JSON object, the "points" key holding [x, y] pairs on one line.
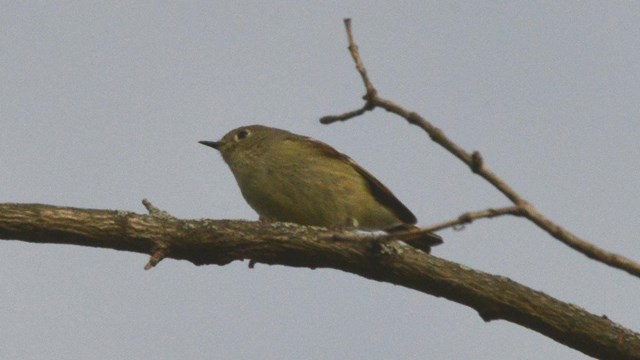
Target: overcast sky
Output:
{"points": [[103, 103]]}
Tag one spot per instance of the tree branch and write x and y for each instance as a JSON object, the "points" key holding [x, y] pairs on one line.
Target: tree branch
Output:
{"points": [[469, 217], [223, 241], [475, 162]]}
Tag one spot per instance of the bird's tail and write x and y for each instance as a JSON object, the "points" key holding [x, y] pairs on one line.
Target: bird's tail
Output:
{"points": [[413, 236]]}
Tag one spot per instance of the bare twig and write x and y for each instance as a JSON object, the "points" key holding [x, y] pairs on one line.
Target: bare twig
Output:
{"points": [[477, 165], [223, 241], [468, 218], [353, 49], [158, 253], [153, 210], [348, 115]]}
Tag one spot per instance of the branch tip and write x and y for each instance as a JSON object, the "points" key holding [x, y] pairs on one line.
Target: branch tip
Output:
{"points": [[346, 116], [370, 97], [154, 211], [158, 253], [149, 206]]}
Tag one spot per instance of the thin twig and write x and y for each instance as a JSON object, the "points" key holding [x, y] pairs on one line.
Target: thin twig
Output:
{"points": [[158, 253], [466, 218], [153, 210], [477, 165], [353, 49], [348, 115]]}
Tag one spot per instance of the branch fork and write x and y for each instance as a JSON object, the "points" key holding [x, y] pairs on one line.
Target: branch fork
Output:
{"points": [[476, 163], [160, 248]]}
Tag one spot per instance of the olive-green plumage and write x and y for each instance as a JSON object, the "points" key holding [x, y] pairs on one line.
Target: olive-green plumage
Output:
{"points": [[292, 178]]}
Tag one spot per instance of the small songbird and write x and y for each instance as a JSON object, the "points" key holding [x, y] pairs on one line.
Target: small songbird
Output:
{"points": [[293, 178]]}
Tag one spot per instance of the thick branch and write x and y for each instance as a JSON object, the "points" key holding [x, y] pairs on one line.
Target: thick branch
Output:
{"points": [[476, 164], [223, 241]]}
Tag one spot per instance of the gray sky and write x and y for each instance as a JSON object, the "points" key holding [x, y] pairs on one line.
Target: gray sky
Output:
{"points": [[102, 105]]}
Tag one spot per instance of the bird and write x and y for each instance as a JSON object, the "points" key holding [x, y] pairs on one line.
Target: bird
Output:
{"points": [[288, 177]]}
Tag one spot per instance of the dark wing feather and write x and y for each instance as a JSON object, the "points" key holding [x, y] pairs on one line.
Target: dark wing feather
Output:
{"points": [[385, 196], [380, 192]]}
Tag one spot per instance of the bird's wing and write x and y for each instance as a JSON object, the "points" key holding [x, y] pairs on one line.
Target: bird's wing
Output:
{"points": [[385, 196], [380, 192]]}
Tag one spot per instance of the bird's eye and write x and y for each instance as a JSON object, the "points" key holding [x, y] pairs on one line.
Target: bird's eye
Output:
{"points": [[242, 134]]}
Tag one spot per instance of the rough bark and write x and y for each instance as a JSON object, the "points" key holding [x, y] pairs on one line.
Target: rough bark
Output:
{"points": [[223, 241]]}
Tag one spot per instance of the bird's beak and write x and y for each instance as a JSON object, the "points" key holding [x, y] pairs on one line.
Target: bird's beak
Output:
{"points": [[213, 144]]}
